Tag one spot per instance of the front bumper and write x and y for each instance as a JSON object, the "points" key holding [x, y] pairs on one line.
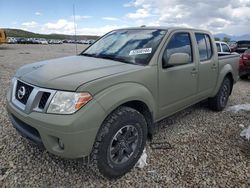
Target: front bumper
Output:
{"points": [[77, 131], [26, 131]]}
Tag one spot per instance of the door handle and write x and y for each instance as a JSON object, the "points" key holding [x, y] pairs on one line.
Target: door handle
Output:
{"points": [[194, 72], [214, 66]]}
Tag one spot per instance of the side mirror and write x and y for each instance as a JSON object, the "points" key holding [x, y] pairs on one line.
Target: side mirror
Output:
{"points": [[178, 59]]}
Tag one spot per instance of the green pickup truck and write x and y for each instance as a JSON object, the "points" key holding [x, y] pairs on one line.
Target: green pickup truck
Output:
{"points": [[105, 102]]}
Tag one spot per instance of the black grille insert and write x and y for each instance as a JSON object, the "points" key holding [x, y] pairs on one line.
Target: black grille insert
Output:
{"points": [[23, 92], [44, 100]]}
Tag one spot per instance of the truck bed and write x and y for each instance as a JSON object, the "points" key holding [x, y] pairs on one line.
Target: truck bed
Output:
{"points": [[230, 60]]}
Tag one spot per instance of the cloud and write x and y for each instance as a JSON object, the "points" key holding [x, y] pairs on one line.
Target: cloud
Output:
{"points": [[139, 14], [31, 24], [214, 15], [80, 18], [110, 18], [134, 3], [38, 13], [60, 26], [98, 30], [63, 26], [228, 16]]}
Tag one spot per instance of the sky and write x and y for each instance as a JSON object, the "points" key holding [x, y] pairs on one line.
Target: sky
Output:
{"points": [[97, 17]]}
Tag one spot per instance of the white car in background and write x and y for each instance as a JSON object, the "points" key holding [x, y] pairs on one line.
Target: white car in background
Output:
{"points": [[43, 41], [11, 40], [223, 48]]}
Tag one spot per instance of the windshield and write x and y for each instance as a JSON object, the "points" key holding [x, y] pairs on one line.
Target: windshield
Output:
{"points": [[134, 46]]}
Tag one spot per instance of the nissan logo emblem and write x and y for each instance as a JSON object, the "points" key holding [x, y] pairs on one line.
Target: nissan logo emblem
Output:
{"points": [[21, 92]]}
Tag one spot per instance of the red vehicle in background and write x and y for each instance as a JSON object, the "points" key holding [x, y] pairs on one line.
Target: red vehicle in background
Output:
{"points": [[244, 67]]}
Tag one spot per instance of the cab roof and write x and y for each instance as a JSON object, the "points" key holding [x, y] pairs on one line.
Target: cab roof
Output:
{"points": [[163, 28]]}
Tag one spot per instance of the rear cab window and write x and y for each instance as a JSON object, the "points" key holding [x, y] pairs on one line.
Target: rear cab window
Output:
{"points": [[204, 46], [179, 43]]}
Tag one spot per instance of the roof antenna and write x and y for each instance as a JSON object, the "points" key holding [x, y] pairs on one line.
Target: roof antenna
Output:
{"points": [[75, 26]]}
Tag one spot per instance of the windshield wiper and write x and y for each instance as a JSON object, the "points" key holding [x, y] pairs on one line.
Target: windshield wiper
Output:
{"points": [[89, 55], [114, 58], [110, 57]]}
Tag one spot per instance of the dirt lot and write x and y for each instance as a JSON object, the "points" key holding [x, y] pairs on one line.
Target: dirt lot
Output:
{"points": [[206, 149]]}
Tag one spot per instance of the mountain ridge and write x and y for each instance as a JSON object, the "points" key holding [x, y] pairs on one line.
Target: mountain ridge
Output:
{"points": [[233, 37], [27, 34]]}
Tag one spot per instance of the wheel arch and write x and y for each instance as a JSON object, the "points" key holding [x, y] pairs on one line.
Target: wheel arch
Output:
{"points": [[226, 71], [229, 75], [144, 110], [131, 95]]}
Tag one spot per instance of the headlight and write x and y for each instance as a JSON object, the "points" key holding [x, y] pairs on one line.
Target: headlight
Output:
{"points": [[68, 102]]}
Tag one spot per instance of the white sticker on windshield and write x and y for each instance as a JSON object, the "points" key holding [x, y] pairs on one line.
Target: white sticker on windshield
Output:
{"points": [[140, 51]]}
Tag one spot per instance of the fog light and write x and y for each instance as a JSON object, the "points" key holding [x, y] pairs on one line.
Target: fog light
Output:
{"points": [[60, 143]]}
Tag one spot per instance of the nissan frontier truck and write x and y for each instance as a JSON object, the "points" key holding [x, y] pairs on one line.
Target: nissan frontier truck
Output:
{"points": [[105, 102]]}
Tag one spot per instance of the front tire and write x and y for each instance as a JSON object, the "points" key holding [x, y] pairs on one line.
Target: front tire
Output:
{"points": [[120, 142], [219, 102]]}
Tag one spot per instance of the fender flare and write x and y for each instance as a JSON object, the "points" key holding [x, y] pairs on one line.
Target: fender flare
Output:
{"points": [[116, 95], [227, 69]]}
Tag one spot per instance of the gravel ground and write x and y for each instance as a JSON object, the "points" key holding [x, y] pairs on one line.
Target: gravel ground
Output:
{"points": [[206, 149]]}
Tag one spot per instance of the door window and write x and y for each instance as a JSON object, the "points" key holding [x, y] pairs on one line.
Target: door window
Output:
{"points": [[179, 43], [204, 46]]}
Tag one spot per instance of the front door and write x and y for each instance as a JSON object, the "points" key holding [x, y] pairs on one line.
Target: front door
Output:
{"points": [[177, 84]]}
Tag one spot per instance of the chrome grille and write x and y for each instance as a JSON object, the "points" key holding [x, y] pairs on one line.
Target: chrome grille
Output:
{"points": [[23, 92], [32, 99]]}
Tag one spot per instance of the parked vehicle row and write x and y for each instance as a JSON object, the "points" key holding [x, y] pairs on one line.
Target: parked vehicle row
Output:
{"points": [[53, 41], [13, 40], [21, 40], [79, 41]]}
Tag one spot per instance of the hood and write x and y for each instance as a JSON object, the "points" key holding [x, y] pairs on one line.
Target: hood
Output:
{"points": [[69, 73]]}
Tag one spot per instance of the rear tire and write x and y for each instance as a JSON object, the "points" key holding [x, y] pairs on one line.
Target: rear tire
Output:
{"points": [[120, 142], [219, 102]]}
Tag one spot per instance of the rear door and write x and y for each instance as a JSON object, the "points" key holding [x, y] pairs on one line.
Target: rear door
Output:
{"points": [[208, 66]]}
